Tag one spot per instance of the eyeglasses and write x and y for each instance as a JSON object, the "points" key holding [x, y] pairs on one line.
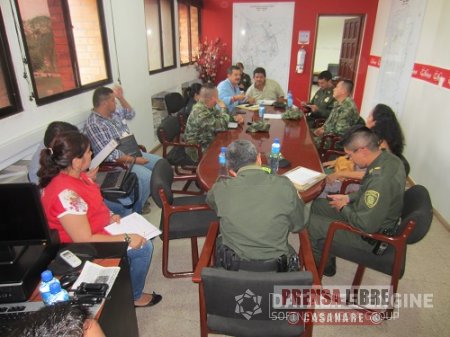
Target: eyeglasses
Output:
{"points": [[352, 152]]}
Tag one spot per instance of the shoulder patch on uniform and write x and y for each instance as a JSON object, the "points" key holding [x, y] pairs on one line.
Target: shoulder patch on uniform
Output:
{"points": [[371, 198]]}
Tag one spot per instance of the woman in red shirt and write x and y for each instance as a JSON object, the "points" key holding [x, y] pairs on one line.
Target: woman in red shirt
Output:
{"points": [[74, 207]]}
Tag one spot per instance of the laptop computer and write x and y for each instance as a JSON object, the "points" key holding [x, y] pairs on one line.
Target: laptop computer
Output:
{"points": [[113, 180], [129, 146]]}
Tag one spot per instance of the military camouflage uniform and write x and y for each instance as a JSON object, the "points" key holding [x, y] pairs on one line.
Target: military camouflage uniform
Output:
{"points": [[343, 116], [375, 207], [324, 101], [202, 125]]}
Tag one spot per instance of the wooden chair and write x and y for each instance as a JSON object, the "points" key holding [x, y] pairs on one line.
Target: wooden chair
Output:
{"points": [[416, 219], [221, 310], [181, 218]]}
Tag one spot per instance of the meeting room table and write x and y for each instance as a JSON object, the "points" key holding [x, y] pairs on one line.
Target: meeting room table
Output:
{"points": [[297, 147]]}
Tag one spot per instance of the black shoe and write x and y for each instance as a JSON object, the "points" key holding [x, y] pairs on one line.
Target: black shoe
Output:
{"points": [[156, 298]]}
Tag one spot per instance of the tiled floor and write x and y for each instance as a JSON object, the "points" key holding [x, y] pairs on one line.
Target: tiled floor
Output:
{"points": [[427, 271]]}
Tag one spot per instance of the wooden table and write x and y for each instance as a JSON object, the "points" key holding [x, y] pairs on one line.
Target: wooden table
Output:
{"points": [[296, 146]]}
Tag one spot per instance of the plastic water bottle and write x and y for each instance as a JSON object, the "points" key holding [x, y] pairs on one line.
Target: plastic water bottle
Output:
{"points": [[262, 111], [57, 294], [223, 169], [47, 280], [275, 156], [290, 99]]}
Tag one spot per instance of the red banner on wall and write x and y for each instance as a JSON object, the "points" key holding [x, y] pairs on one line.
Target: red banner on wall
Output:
{"points": [[374, 61], [435, 75]]}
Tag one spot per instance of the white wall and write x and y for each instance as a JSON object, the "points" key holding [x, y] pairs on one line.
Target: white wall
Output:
{"points": [[425, 119], [20, 133]]}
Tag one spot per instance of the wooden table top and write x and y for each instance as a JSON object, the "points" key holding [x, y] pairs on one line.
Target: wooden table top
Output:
{"points": [[296, 143]]}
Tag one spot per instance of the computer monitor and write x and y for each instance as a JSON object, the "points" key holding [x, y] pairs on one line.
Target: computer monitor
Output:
{"points": [[22, 220]]}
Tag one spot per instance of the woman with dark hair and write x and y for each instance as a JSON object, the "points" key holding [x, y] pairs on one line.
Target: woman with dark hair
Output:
{"points": [[192, 96], [74, 207], [383, 122]]}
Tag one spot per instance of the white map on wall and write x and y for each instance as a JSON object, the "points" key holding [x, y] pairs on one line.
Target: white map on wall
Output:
{"points": [[402, 40], [262, 37]]}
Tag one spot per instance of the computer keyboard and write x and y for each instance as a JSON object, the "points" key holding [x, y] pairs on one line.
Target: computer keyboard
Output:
{"points": [[11, 312]]}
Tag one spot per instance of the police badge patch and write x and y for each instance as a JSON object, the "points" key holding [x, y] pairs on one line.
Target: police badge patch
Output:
{"points": [[371, 198]]}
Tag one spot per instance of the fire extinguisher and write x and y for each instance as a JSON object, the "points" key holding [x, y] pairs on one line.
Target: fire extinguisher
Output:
{"points": [[301, 55]]}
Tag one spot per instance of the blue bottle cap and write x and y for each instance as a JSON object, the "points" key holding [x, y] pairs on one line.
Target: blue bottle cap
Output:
{"points": [[223, 149], [276, 140], [46, 275], [55, 288]]}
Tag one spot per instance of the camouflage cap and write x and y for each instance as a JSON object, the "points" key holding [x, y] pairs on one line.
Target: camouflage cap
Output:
{"points": [[259, 126], [293, 113]]}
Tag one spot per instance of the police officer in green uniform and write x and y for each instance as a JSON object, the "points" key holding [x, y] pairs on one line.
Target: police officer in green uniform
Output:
{"points": [[374, 208], [257, 210], [205, 120], [344, 114], [323, 100]]}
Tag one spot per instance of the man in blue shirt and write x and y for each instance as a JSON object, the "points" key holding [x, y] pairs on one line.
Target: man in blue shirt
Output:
{"points": [[229, 91]]}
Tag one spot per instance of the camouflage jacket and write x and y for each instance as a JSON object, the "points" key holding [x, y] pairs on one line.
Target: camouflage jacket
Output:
{"points": [[202, 125], [343, 116], [324, 100]]}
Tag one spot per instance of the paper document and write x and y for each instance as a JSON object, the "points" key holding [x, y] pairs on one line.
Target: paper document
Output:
{"points": [[303, 178], [273, 116], [94, 273], [266, 101], [250, 107], [103, 154], [134, 224], [232, 125]]}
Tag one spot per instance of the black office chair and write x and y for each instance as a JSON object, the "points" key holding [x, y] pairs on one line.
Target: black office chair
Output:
{"points": [[417, 215], [181, 218], [238, 303], [174, 102]]}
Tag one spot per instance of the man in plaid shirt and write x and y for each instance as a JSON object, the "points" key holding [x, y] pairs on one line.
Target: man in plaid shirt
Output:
{"points": [[107, 121]]}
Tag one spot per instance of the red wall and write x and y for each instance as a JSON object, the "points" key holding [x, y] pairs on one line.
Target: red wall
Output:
{"points": [[217, 22]]}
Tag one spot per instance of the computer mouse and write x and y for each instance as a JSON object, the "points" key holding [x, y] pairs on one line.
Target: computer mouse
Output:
{"points": [[68, 280]]}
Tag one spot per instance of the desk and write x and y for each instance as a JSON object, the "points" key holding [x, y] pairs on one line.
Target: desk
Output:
{"points": [[296, 146], [118, 315]]}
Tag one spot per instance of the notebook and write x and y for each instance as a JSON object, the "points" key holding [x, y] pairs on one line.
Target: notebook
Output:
{"points": [[113, 180]]}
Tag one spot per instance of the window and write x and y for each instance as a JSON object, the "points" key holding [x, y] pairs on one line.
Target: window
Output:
{"points": [[160, 35], [65, 46], [9, 94], [188, 25]]}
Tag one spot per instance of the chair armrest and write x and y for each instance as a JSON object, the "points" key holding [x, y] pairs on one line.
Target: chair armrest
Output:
{"points": [[142, 148], [189, 208], [346, 182], [307, 256], [397, 241], [207, 251]]}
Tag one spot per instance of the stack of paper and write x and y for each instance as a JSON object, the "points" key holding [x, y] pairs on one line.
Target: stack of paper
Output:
{"points": [[134, 224], [304, 178], [250, 107]]}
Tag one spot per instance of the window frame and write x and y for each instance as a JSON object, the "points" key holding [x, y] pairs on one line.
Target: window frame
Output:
{"points": [[9, 75], [189, 4], [161, 44], [74, 62]]}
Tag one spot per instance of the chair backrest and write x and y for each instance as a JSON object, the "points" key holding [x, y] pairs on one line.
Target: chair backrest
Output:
{"points": [[162, 178], [417, 206], [174, 102], [168, 130], [239, 303]]}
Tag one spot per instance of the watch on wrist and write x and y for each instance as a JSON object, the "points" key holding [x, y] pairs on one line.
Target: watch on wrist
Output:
{"points": [[127, 238]]}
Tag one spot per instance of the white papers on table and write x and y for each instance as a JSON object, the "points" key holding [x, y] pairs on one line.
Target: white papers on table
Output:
{"points": [[250, 107], [266, 101], [232, 125], [303, 178], [94, 273], [134, 224], [273, 116], [103, 154]]}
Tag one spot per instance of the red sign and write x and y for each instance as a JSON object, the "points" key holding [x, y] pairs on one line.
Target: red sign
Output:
{"points": [[375, 61], [435, 75]]}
